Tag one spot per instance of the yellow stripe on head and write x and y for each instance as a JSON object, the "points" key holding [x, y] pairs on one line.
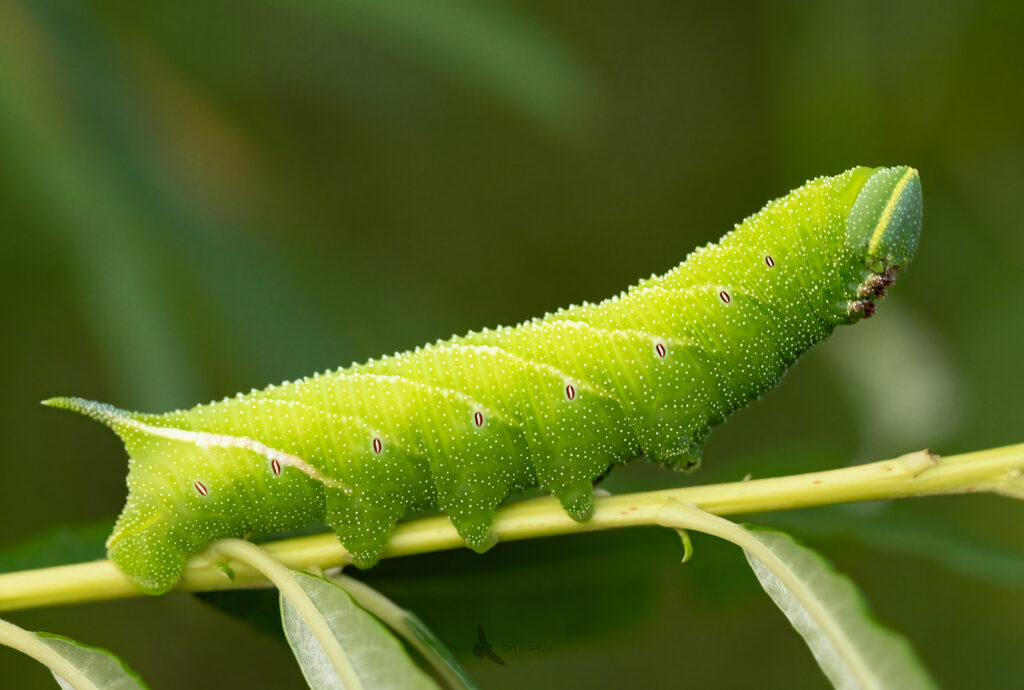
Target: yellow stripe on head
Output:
{"points": [[885, 220]]}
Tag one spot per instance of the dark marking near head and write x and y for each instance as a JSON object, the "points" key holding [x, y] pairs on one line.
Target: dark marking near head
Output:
{"points": [[275, 466], [478, 418], [875, 286], [770, 261], [864, 307], [725, 296], [660, 349], [570, 391], [201, 488], [377, 446]]}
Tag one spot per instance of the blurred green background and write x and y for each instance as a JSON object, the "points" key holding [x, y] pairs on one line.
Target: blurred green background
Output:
{"points": [[198, 198]]}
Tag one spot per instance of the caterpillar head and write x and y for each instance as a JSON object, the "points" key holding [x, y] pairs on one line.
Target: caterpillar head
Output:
{"points": [[883, 228], [885, 221]]}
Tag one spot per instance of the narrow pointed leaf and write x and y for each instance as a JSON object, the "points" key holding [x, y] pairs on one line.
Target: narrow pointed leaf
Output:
{"points": [[75, 666], [853, 649], [376, 656], [434, 650], [104, 670], [411, 628]]}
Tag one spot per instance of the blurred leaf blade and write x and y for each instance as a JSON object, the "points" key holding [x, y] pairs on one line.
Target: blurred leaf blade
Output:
{"points": [[907, 535], [57, 546], [375, 655], [134, 246], [924, 409], [84, 188], [491, 45]]}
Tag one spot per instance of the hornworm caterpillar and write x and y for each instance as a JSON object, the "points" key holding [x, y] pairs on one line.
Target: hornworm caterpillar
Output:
{"points": [[462, 424]]}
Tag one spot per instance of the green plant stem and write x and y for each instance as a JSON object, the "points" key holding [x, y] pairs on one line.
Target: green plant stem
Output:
{"points": [[997, 470], [257, 558]]}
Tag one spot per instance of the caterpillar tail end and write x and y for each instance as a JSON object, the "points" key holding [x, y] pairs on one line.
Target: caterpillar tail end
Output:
{"points": [[101, 412], [141, 543], [63, 402]]}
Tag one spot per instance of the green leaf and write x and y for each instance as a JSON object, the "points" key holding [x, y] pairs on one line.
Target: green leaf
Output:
{"points": [[377, 658], [74, 665], [434, 650], [496, 47], [409, 626], [947, 545], [103, 669], [853, 649], [57, 546]]}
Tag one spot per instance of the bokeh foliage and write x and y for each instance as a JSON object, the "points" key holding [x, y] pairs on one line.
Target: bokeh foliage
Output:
{"points": [[199, 198]]}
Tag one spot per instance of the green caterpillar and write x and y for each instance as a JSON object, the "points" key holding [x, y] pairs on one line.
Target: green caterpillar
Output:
{"points": [[462, 424]]}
